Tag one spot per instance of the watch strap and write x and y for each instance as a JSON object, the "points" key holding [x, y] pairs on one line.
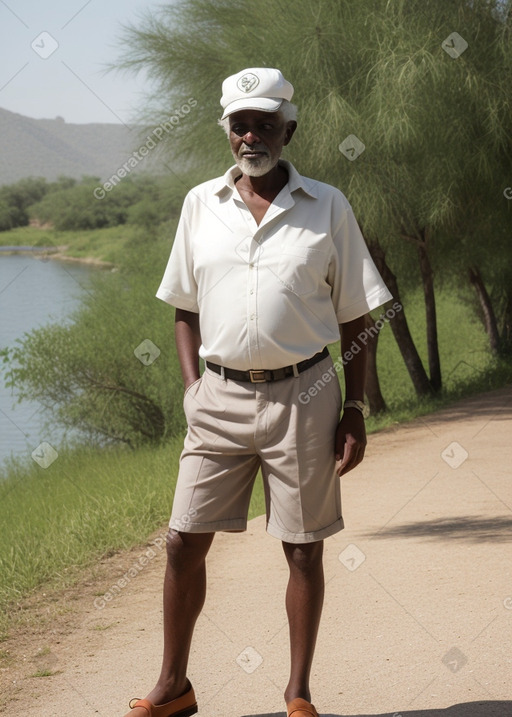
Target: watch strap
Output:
{"points": [[359, 405]]}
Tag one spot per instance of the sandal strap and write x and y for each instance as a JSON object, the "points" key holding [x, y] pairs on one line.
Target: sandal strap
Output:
{"points": [[145, 704]]}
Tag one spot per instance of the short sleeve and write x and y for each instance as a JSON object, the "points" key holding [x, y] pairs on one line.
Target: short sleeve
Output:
{"points": [[357, 286], [178, 286]]}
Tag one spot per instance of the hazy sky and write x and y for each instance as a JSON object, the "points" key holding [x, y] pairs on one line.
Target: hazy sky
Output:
{"points": [[52, 55]]}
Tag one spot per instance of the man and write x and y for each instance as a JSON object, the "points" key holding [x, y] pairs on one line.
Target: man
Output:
{"points": [[266, 269]]}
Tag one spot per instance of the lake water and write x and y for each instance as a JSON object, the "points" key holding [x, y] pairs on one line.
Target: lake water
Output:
{"points": [[33, 293]]}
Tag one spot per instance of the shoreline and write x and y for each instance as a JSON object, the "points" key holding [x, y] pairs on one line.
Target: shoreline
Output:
{"points": [[56, 252]]}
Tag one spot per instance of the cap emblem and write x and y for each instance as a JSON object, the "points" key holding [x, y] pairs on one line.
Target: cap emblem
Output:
{"points": [[248, 82]]}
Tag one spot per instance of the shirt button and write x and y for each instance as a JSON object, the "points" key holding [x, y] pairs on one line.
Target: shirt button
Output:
{"points": [[251, 291], [252, 316], [251, 266]]}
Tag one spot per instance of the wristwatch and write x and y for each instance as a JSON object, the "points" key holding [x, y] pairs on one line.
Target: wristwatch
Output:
{"points": [[360, 405]]}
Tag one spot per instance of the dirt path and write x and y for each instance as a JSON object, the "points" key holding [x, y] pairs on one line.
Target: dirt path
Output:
{"points": [[418, 611]]}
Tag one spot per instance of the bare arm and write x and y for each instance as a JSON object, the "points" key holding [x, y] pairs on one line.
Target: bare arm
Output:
{"points": [[188, 341], [351, 432]]}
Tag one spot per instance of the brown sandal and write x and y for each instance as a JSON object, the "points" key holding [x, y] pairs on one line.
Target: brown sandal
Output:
{"points": [[301, 708], [183, 706]]}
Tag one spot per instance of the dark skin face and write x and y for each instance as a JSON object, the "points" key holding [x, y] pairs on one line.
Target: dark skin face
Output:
{"points": [[255, 135]]}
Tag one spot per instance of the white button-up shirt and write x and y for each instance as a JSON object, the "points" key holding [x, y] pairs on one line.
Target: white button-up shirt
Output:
{"points": [[273, 294]]}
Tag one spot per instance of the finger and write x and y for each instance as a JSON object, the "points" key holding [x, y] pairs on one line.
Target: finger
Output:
{"points": [[339, 450], [353, 455], [346, 461]]}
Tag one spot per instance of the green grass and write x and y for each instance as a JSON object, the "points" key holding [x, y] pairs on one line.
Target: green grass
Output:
{"points": [[86, 505], [106, 244], [45, 673]]}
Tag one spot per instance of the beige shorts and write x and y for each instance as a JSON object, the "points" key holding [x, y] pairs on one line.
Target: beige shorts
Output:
{"points": [[285, 427]]}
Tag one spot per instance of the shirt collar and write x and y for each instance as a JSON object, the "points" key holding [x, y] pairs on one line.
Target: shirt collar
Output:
{"points": [[295, 180]]}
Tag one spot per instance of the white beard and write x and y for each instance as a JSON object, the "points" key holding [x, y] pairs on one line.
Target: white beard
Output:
{"points": [[256, 167]]}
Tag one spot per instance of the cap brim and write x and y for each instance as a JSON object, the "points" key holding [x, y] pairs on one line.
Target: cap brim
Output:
{"points": [[265, 104]]}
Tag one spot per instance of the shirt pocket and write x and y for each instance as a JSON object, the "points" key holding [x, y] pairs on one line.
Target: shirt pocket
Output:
{"points": [[302, 269]]}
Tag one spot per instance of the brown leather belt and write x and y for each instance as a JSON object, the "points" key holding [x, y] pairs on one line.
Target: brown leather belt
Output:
{"points": [[263, 375]]}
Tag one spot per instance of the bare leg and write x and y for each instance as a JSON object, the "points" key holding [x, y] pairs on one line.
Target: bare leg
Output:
{"points": [[304, 602], [184, 595]]}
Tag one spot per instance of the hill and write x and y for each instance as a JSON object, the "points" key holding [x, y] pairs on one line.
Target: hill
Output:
{"points": [[51, 148]]}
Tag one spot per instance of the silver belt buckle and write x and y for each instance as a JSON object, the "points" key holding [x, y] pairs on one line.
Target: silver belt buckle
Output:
{"points": [[257, 375]]}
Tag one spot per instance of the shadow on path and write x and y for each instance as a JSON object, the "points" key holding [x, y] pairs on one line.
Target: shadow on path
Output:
{"points": [[502, 708], [471, 528]]}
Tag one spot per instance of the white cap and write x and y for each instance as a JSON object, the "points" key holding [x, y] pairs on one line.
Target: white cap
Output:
{"points": [[257, 88]]}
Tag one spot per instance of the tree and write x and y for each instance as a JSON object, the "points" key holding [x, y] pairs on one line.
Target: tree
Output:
{"points": [[372, 386], [432, 123], [15, 199], [75, 207]]}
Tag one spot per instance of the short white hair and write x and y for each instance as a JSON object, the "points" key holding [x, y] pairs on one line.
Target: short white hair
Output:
{"points": [[287, 110]]}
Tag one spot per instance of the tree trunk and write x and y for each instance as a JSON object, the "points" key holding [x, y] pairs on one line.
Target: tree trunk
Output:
{"points": [[372, 386], [400, 327], [505, 345], [427, 276], [489, 317]]}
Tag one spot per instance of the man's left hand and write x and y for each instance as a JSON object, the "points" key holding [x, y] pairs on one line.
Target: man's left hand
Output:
{"points": [[350, 441]]}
